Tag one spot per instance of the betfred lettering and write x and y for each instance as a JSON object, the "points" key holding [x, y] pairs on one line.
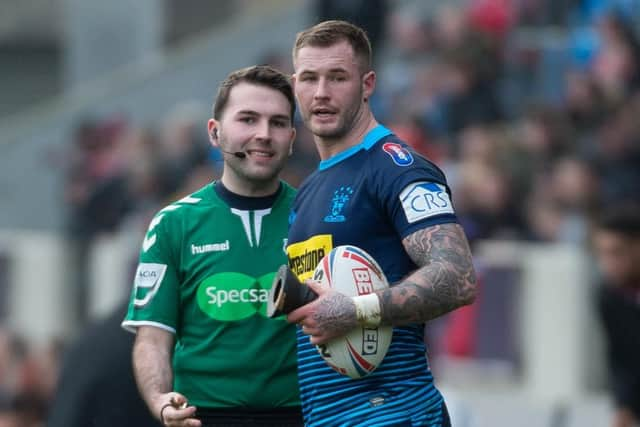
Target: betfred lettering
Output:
{"points": [[369, 341], [362, 279]]}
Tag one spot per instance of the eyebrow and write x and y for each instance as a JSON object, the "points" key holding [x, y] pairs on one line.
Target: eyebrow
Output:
{"points": [[255, 113], [330, 70]]}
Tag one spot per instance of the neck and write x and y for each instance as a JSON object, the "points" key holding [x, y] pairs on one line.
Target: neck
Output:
{"points": [[250, 189], [329, 147]]}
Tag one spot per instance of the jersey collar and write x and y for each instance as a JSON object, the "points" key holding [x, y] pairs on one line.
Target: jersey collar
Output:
{"points": [[243, 202], [373, 136]]}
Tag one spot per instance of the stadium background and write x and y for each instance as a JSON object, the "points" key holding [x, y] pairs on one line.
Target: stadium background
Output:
{"points": [[529, 106]]}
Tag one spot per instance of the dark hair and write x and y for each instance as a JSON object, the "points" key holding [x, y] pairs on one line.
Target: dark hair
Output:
{"points": [[621, 218], [328, 33], [262, 75]]}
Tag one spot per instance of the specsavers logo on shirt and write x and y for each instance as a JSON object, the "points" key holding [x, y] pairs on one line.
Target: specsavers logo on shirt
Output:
{"points": [[231, 297], [306, 255]]}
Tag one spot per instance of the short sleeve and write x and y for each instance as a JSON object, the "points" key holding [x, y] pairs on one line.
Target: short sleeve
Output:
{"points": [[412, 191], [155, 294]]}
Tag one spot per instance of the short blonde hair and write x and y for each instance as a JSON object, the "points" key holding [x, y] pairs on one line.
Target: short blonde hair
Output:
{"points": [[328, 33]]}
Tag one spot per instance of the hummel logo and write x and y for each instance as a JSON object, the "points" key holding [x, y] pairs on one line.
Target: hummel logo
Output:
{"points": [[210, 247]]}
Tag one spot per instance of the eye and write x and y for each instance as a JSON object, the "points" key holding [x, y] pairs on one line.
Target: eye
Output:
{"points": [[338, 78], [280, 123], [307, 78], [248, 119]]}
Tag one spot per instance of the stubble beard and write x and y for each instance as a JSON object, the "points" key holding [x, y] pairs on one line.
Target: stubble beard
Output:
{"points": [[344, 125], [255, 178]]}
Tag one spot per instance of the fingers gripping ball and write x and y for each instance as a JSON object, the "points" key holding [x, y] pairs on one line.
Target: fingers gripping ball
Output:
{"points": [[353, 272]]}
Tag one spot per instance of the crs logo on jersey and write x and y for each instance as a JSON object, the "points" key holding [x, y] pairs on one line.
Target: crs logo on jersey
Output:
{"points": [[422, 200], [400, 155]]}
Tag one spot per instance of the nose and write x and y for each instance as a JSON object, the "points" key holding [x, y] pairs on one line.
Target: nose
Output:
{"points": [[322, 91], [263, 130]]}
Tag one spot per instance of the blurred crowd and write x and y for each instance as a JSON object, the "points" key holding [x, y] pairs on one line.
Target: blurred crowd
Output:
{"points": [[467, 88], [531, 108], [28, 377], [535, 128]]}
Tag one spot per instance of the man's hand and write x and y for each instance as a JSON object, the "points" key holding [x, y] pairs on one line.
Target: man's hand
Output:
{"points": [[330, 316], [174, 411]]}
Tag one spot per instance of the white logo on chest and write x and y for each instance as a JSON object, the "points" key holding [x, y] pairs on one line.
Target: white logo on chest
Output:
{"points": [[210, 247], [253, 229]]}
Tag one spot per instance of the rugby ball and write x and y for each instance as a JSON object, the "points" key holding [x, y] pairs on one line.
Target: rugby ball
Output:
{"points": [[352, 271]]}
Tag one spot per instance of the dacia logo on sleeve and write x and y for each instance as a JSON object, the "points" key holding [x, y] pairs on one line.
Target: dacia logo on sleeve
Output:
{"points": [[400, 155], [147, 282], [422, 200], [339, 200]]}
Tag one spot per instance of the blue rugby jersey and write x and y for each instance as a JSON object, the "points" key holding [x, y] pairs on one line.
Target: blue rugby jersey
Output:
{"points": [[372, 196]]}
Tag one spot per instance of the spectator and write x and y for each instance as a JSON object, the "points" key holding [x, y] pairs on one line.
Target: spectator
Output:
{"points": [[369, 14], [616, 66], [616, 241], [8, 411], [96, 386]]}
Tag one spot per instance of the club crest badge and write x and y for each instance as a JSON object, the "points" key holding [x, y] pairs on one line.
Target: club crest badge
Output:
{"points": [[400, 155], [340, 198]]}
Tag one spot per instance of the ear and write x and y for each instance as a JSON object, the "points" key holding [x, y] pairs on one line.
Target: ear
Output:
{"points": [[368, 84], [212, 130], [293, 138]]}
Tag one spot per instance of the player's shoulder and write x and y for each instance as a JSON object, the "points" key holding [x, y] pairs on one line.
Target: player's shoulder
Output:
{"points": [[186, 205], [392, 156]]}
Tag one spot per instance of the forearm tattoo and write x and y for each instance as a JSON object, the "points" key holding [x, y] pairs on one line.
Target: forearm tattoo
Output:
{"points": [[336, 312], [445, 280]]}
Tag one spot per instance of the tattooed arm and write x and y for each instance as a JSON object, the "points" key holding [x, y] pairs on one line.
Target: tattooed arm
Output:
{"points": [[445, 280]]}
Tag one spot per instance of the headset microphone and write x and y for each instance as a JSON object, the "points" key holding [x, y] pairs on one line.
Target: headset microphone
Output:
{"points": [[238, 154]]}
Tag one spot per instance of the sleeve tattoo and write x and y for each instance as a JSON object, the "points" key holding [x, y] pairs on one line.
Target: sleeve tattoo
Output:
{"points": [[445, 280]]}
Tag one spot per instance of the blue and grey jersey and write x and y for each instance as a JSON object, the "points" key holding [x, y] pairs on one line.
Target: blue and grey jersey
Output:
{"points": [[372, 195]]}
